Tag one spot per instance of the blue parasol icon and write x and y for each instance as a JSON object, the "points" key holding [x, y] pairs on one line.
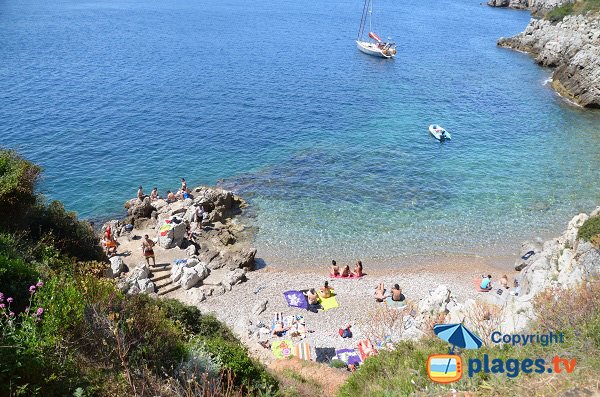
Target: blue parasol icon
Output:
{"points": [[458, 335]]}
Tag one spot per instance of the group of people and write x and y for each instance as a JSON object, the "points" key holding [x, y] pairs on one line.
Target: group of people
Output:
{"points": [[335, 270], [182, 194], [486, 283], [396, 294]]}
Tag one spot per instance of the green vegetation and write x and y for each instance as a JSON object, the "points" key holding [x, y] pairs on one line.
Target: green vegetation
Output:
{"points": [[579, 7], [590, 230], [65, 331]]}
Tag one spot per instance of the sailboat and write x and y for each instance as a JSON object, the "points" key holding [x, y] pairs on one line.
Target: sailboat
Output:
{"points": [[377, 47]]}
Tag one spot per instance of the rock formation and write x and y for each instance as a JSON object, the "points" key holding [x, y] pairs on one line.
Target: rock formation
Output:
{"points": [[537, 7], [572, 47], [208, 242]]}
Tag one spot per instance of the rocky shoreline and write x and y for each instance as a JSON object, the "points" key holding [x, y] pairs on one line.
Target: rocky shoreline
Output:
{"points": [[213, 268], [570, 46]]}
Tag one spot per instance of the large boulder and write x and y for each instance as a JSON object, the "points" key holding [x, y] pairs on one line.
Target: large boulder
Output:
{"points": [[189, 278], [146, 286], [116, 266], [141, 208], [171, 233], [525, 257], [234, 277], [140, 272]]}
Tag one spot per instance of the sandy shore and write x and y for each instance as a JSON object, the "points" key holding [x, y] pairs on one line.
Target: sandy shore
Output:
{"points": [[355, 298]]}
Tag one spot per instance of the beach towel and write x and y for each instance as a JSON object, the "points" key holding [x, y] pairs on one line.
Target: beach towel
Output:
{"points": [[282, 348], [351, 276], [164, 229], [288, 321], [328, 303], [296, 299], [302, 351], [324, 354], [349, 356], [395, 304], [366, 349]]}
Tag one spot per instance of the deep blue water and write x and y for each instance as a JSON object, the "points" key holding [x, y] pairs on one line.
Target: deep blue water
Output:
{"points": [[330, 145]]}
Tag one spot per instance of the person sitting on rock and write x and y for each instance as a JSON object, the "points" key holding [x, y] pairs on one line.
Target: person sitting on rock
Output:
{"points": [[380, 293], [183, 185], [199, 215], [148, 250], [486, 283], [335, 269], [140, 193], [358, 269], [325, 290], [346, 271], [397, 295], [154, 194], [171, 197]]}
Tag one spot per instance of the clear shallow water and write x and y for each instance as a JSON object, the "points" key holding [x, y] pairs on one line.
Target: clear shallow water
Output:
{"points": [[330, 145]]}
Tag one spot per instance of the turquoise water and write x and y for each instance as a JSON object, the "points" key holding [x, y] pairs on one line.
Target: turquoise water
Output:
{"points": [[273, 100]]}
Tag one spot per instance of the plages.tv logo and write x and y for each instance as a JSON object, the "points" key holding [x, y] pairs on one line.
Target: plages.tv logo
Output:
{"points": [[448, 368]]}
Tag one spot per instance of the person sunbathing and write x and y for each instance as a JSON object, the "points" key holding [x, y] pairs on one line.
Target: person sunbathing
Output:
{"points": [[397, 295], [335, 269], [171, 197], [346, 271], [154, 194], [312, 297], [279, 329], [358, 269], [326, 290], [380, 293]]}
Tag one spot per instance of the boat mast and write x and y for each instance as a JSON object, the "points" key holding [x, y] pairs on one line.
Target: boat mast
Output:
{"points": [[363, 19]]}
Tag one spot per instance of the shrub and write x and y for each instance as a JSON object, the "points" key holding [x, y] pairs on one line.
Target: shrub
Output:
{"points": [[558, 13], [17, 181], [246, 371], [559, 309], [590, 229]]}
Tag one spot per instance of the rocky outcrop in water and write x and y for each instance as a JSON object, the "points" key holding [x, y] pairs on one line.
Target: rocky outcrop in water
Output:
{"points": [[537, 7], [572, 47]]}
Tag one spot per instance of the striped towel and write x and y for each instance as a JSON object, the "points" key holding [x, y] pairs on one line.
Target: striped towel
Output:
{"points": [[302, 350]]}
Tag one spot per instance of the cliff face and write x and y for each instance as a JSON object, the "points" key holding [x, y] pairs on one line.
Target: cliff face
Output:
{"points": [[537, 7], [572, 46]]}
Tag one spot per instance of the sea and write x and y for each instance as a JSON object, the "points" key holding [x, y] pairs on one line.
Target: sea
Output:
{"points": [[272, 100]]}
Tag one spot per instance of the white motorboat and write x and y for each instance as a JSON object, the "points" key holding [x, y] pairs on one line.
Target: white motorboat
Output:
{"points": [[377, 47]]}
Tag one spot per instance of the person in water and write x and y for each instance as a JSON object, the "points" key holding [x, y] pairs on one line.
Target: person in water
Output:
{"points": [[335, 269], [326, 290], [486, 283], [148, 250], [358, 269], [397, 295]]}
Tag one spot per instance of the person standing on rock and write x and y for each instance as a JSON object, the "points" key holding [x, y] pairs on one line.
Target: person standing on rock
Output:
{"points": [[148, 250], [183, 185]]}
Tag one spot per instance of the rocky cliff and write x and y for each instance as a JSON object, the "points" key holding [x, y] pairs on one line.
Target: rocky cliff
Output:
{"points": [[572, 47], [537, 7]]}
